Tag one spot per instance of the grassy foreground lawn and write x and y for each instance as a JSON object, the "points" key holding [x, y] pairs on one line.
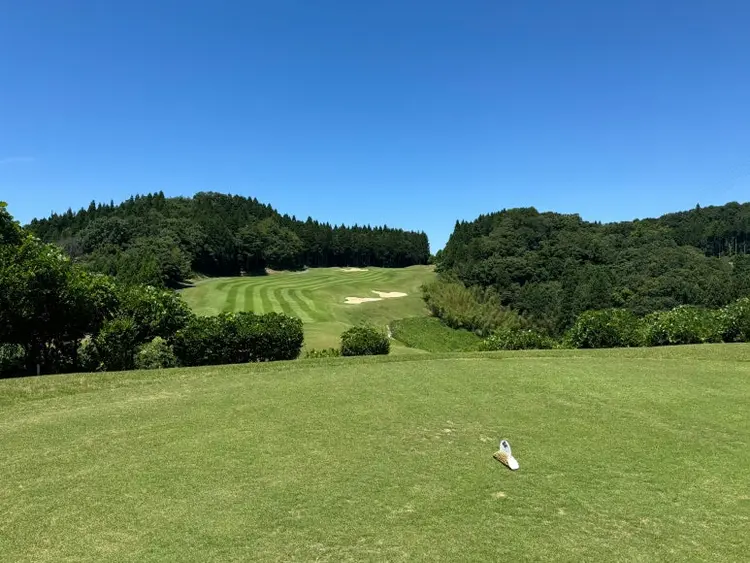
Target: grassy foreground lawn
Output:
{"points": [[318, 297], [637, 455]]}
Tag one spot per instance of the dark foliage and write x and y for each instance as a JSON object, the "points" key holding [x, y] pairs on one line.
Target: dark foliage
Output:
{"points": [[155, 312], [474, 309], [684, 325], [364, 341], [608, 328], [156, 240], [48, 305], [552, 267], [234, 338], [735, 321], [115, 345], [11, 360], [157, 354]]}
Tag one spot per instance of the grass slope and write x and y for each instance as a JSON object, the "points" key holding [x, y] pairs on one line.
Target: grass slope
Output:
{"points": [[629, 455], [317, 296], [429, 334]]}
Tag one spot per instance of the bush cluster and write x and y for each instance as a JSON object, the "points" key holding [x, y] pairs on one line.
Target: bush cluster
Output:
{"points": [[607, 328], [115, 344], [473, 309], [683, 325], [11, 360], [735, 321], [233, 338], [364, 341], [516, 339], [620, 328], [154, 329], [157, 354]]}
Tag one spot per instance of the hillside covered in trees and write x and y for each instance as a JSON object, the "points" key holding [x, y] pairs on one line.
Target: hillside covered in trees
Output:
{"points": [[159, 241], [551, 267]]}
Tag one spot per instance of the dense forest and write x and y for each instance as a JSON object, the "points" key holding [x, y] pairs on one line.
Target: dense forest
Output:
{"points": [[551, 267], [159, 241], [57, 317]]}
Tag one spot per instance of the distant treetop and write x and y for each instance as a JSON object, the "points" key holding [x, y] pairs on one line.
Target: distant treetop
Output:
{"points": [[159, 240]]}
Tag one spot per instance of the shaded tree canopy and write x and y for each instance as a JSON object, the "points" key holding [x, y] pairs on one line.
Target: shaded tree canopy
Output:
{"points": [[551, 267], [158, 240]]}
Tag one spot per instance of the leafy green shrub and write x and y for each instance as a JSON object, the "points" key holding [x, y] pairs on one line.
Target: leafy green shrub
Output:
{"points": [[157, 354], [364, 341], [606, 328], [473, 309], [516, 339], [12, 360], [234, 338], [324, 353], [116, 344], [155, 312], [685, 324], [88, 357], [735, 321]]}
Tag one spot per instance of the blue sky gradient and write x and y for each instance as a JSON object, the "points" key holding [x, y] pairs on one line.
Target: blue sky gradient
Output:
{"points": [[413, 114]]}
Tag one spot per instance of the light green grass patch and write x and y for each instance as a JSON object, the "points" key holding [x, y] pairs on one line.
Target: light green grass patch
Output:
{"points": [[428, 333], [627, 455], [318, 296]]}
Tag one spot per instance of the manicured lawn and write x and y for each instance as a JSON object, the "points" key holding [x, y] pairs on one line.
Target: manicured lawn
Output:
{"points": [[428, 333], [630, 455], [318, 297]]}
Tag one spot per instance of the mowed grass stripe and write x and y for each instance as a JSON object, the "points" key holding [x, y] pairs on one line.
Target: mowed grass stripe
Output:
{"points": [[285, 302], [203, 299], [273, 297], [221, 284], [319, 282], [305, 308], [252, 301], [265, 299], [241, 296], [230, 304]]}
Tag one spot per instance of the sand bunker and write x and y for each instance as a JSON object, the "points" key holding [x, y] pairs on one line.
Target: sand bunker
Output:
{"points": [[382, 294], [358, 300], [353, 269]]}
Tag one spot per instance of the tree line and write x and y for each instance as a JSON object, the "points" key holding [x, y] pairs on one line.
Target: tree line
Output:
{"points": [[160, 241], [549, 267], [57, 317]]}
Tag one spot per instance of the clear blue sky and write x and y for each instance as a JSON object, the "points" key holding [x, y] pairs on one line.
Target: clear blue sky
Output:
{"points": [[410, 113]]}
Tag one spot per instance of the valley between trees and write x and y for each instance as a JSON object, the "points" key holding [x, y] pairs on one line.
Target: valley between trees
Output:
{"points": [[115, 287]]}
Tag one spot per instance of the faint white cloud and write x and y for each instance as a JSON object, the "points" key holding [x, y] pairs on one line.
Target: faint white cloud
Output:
{"points": [[16, 159]]}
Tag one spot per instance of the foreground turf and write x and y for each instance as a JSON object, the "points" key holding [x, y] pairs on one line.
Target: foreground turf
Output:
{"points": [[630, 455], [318, 297]]}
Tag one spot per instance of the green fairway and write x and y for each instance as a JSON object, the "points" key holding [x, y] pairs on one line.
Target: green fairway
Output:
{"points": [[629, 455], [318, 297]]}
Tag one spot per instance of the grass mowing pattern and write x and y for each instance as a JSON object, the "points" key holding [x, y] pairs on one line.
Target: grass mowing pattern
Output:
{"points": [[428, 333], [317, 297], [628, 455]]}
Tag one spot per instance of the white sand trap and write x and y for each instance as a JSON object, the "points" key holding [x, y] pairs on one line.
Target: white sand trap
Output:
{"points": [[382, 295], [389, 294], [358, 300], [353, 269]]}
